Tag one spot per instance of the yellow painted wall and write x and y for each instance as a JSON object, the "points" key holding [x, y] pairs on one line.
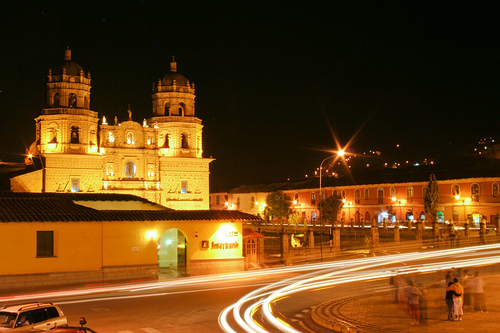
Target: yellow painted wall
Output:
{"points": [[86, 246], [77, 247]]}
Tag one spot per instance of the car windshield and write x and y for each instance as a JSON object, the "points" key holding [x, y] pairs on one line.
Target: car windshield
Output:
{"points": [[7, 319]]}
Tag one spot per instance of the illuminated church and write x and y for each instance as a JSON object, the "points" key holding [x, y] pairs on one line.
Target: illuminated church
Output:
{"points": [[159, 159]]}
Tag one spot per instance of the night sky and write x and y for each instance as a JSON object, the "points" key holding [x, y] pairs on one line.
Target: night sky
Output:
{"points": [[275, 81]]}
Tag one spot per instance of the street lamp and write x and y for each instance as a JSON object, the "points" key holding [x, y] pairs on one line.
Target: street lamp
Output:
{"points": [[338, 154]]}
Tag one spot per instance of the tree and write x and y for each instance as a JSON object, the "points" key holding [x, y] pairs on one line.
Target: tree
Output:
{"points": [[330, 208], [277, 206], [294, 219], [431, 199]]}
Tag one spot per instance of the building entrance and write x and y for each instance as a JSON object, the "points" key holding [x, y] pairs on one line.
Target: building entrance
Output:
{"points": [[172, 253]]}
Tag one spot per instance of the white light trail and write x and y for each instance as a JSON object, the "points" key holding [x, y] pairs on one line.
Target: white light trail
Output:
{"points": [[340, 272]]}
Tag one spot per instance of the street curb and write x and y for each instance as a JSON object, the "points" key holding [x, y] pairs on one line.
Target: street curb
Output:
{"points": [[327, 315]]}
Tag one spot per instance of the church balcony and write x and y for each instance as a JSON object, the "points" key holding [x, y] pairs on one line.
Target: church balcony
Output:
{"points": [[71, 111], [175, 119]]}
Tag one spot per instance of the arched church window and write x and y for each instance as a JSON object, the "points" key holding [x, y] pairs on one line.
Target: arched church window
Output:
{"points": [[72, 100], [380, 195], [75, 135], [52, 134], [495, 190], [357, 196], [184, 141], [474, 190], [57, 100], [166, 109], [182, 109], [111, 137]]}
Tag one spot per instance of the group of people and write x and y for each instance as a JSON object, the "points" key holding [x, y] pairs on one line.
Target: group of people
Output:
{"points": [[411, 298], [462, 290]]}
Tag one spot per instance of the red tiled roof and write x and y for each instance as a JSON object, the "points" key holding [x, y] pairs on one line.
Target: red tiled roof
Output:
{"points": [[56, 207], [250, 233]]}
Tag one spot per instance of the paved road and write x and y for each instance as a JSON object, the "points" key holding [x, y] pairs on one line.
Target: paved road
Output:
{"points": [[377, 313]]}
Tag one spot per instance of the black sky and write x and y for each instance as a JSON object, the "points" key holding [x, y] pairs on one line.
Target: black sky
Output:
{"points": [[273, 79]]}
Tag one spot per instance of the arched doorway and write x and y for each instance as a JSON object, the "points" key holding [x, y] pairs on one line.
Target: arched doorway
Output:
{"points": [[172, 253]]}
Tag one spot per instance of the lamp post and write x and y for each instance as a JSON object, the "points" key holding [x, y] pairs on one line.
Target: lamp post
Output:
{"points": [[339, 153]]}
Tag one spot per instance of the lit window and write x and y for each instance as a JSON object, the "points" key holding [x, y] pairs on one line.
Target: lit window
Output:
{"points": [[111, 137], [75, 184], [130, 169], [151, 170], [184, 186], [409, 194], [474, 190], [110, 169], [313, 198]]}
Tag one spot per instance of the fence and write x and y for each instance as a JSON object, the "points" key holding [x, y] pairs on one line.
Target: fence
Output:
{"points": [[313, 243]]}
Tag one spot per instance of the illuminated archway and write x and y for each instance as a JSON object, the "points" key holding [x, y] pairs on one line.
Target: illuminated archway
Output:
{"points": [[172, 252]]}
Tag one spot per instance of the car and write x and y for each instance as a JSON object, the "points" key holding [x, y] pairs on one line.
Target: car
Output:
{"points": [[31, 317], [73, 329]]}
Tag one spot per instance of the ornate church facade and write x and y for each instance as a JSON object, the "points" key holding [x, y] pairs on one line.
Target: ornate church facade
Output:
{"points": [[159, 159]]}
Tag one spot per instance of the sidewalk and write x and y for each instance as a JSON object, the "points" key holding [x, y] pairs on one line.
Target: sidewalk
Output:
{"points": [[377, 313]]}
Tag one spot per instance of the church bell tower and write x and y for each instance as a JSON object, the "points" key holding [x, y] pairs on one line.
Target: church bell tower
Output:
{"points": [[66, 124], [66, 132]]}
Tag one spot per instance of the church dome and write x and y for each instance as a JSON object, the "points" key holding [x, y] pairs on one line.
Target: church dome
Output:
{"points": [[71, 67], [168, 80]]}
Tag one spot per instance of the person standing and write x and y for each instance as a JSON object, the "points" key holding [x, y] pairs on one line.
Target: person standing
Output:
{"points": [[458, 310], [449, 300], [423, 306], [394, 283], [464, 281], [414, 295], [476, 285]]}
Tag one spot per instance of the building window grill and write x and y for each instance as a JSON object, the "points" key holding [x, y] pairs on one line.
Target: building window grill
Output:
{"points": [[45, 243]]}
